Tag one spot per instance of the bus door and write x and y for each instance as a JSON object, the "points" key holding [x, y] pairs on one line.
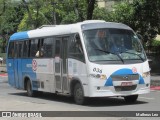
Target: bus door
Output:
{"points": [[17, 64], [61, 81]]}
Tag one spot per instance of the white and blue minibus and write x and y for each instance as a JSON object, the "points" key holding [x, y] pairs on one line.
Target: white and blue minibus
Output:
{"points": [[93, 58]]}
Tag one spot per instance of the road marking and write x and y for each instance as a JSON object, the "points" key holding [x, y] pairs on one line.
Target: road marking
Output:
{"points": [[147, 98]]}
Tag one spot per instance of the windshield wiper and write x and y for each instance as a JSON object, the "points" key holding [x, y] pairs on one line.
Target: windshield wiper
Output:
{"points": [[111, 53], [134, 54], [102, 50]]}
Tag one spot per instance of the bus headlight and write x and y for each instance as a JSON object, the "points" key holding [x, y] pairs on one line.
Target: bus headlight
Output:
{"points": [[103, 77], [145, 74]]}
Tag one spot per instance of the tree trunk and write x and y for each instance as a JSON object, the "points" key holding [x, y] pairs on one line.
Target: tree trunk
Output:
{"points": [[90, 8]]}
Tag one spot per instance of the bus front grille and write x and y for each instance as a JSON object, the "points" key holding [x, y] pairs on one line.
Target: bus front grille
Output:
{"points": [[127, 77], [125, 88]]}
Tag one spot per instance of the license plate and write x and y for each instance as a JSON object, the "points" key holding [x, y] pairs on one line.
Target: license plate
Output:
{"points": [[126, 84]]}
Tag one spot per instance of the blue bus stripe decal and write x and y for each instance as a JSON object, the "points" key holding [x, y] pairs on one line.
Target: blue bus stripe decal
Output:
{"points": [[124, 71], [109, 82], [141, 80]]}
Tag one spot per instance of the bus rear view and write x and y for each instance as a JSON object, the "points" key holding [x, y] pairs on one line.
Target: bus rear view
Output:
{"points": [[87, 59]]}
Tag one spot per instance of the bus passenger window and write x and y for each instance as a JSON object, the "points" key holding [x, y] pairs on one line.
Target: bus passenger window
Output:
{"points": [[25, 49], [57, 49], [34, 48], [20, 50], [75, 48], [16, 50], [46, 49], [11, 50]]}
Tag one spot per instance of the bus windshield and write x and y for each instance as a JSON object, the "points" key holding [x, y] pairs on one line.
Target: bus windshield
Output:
{"points": [[113, 44]]}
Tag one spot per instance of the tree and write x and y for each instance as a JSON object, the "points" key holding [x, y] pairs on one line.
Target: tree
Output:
{"points": [[3, 8], [54, 11], [102, 14], [140, 16], [9, 20], [147, 19]]}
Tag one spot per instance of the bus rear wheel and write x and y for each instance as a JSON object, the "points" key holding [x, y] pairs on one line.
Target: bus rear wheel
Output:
{"points": [[30, 92], [131, 98], [79, 94]]}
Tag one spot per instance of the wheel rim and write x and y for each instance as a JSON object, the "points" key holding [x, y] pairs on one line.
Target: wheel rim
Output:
{"points": [[79, 94]]}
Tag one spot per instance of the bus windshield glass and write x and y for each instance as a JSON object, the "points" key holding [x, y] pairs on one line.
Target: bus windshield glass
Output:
{"points": [[113, 44]]}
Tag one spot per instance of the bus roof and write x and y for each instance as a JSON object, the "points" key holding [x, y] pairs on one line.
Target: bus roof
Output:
{"points": [[50, 30], [19, 35]]}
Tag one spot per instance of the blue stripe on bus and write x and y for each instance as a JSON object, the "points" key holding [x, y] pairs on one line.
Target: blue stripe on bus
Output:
{"points": [[19, 69], [19, 36], [141, 80], [125, 71]]}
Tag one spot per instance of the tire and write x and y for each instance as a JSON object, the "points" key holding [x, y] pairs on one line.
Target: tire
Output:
{"points": [[79, 94], [131, 98], [30, 92]]}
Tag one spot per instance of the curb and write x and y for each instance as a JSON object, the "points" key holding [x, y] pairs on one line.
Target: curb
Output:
{"points": [[3, 78], [155, 87]]}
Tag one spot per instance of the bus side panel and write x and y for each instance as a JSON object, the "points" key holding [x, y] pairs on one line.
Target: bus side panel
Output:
{"points": [[44, 73], [78, 70], [27, 71], [10, 70]]}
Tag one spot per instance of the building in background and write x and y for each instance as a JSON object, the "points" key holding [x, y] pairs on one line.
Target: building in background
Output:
{"points": [[110, 3]]}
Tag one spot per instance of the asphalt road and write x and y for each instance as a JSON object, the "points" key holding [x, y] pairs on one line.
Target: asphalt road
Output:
{"points": [[12, 99]]}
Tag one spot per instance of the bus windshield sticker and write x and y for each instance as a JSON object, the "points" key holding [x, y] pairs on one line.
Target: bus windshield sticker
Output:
{"points": [[134, 70]]}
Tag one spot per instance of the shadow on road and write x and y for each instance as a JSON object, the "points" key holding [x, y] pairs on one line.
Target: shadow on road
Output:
{"points": [[92, 102], [108, 101]]}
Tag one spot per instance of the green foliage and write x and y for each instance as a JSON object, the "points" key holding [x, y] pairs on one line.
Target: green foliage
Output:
{"points": [[10, 17], [123, 12], [21, 16], [139, 15], [155, 43], [146, 19], [102, 14], [68, 11], [69, 18], [3, 55]]}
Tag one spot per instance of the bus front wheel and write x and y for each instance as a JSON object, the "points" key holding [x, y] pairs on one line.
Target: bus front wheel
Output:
{"points": [[131, 98], [30, 92], [79, 94]]}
